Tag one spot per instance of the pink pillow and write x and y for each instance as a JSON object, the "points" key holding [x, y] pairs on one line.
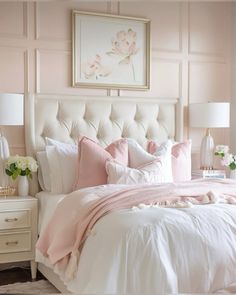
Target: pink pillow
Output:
{"points": [[181, 159], [92, 161]]}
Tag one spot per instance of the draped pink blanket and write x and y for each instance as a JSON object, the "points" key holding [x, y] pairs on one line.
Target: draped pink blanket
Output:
{"points": [[76, 215]]}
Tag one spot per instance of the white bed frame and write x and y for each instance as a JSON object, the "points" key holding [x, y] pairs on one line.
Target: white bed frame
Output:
{"points": [[106, 119]]}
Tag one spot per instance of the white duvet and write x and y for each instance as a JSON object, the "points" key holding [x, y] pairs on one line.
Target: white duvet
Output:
{"points": [[158, 251]]}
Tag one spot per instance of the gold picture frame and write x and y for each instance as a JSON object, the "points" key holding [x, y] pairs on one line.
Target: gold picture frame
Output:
{"points": [[110, 51]]}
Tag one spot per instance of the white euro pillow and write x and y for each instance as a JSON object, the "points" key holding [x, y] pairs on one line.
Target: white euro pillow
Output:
{"points": [[54, 170], [63, 165]]}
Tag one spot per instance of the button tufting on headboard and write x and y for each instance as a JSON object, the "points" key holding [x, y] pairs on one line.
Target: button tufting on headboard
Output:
{"points": [[105, 119], [66, 117]]}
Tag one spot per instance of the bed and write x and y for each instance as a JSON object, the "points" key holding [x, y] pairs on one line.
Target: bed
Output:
{"points": [[118, 266]]}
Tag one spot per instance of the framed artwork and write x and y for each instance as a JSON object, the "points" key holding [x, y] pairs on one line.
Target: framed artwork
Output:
{"points": [[110, 51]]}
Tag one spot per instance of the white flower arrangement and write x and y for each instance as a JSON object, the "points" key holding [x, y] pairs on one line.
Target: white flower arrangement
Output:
{"points": [[18, 165], [227, 159]]}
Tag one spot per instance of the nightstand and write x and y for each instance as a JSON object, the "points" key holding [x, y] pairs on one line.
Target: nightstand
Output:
{"points": [[18, 230]]}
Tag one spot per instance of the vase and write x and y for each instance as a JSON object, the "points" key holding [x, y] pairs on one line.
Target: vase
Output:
{"points": [[23, 186], [233, 174]]}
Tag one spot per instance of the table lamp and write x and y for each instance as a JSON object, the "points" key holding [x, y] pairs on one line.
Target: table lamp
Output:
{"points": [[11, 113], [208, 115]]}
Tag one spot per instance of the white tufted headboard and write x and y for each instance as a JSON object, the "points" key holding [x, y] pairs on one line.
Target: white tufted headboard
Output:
{"points": [[66, 117]]}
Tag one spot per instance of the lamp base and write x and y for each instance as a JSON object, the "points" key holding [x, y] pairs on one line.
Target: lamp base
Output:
{"points": [[207, 152], [4, 154]]}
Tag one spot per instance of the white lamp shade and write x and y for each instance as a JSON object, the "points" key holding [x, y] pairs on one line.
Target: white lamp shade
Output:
{"points": [[209, 115], [11, 109]]}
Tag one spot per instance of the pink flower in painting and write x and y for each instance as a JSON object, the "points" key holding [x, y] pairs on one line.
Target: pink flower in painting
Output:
{"points": [[124, 45], [94, 68]]}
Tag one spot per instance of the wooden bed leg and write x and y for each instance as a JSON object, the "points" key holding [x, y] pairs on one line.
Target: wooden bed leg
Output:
{"points": [[33, 267]]}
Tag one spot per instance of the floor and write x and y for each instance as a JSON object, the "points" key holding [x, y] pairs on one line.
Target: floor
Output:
{"points": [[16, 275]]}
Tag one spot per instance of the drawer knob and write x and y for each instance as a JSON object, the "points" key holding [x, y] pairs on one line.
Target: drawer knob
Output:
{"points": [[12, 243], [11, 219]]}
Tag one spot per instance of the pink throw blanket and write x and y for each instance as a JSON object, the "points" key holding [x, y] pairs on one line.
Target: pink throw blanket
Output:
{"points": [[76, 215]]}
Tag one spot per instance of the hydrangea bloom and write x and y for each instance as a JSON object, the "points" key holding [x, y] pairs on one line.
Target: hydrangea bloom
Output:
{"points": [[18, 165], [228, 160], [222, 149]]}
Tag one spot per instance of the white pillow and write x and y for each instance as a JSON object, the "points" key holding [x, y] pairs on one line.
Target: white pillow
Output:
{"points": [[40, 179], [63, 165], [54, 170], [164, 152], [43, 171], [151, 173], [138, 157]]}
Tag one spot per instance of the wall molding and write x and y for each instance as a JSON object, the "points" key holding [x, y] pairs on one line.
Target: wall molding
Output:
{"points": [[25, 25], [26, 71], [113, 7], [17, 146], [180, 70], [180, 49], [16, 149], [37, 63], [209, 54], [38, 35]]}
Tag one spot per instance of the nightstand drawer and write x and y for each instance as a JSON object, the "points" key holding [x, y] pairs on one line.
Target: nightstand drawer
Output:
{"points": [[14, 219], [15, 242]]}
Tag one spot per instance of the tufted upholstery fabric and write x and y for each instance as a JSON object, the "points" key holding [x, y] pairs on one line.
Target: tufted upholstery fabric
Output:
{"points": [[104, 119]]}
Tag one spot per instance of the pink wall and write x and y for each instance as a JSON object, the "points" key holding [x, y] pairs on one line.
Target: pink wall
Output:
{"points": [[190, 53], [233, 80]]}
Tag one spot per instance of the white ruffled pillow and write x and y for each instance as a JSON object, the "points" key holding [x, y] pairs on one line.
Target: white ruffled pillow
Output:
{"points": [[150, 173], [139, 157]]}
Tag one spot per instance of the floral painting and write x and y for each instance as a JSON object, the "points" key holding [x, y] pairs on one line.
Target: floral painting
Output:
{"points": [[110, 51]]}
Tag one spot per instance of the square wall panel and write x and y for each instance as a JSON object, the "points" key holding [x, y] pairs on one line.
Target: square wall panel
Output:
{"points": [[15, 135], [53, 22], [13, 19], [165, 22], [54, 74], [53, 71], [207, 28], [166, 78], [207, 82], [12, 70]]}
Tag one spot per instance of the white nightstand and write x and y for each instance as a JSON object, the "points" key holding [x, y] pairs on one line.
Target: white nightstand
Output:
{"points": [[18, 230]]}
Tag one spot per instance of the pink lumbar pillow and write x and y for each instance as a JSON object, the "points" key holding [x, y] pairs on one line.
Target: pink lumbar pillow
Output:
{"points": [[92, 161], [181, 159]]}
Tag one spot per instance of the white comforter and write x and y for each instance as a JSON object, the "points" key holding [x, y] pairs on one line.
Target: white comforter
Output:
{"points": [[158, 251]]}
